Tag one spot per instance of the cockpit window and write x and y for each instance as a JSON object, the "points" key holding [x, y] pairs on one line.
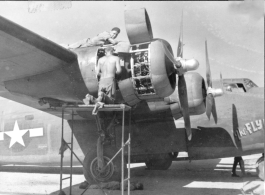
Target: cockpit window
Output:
{"points": [[239, 85], [234, 87], [249, 84]]}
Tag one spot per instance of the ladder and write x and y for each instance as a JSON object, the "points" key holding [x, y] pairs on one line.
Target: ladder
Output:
{"points": [[107, 107], [70, 146]]}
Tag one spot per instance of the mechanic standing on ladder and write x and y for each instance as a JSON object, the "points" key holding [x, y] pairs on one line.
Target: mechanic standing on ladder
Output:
{"points": [[108, 66]]}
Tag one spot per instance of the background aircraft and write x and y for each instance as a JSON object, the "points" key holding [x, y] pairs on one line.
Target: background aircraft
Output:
{"points": [[56, 70]]}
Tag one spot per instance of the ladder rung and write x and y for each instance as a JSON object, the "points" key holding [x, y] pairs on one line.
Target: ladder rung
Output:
{"points": [[69, 143], [126, 179], [66, 178]]}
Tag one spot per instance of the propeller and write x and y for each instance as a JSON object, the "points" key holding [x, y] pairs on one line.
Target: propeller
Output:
{"points": [[183, 98], [221, 82], [182, 66], [182, 89], [235, 123], [211, 92], [221, 79]]}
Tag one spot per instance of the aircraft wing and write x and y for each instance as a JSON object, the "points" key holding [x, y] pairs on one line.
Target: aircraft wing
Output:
{"points": [[33, 66]]}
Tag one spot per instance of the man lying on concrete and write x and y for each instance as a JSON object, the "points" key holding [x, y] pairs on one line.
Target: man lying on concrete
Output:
{"points": [[114, 185]]}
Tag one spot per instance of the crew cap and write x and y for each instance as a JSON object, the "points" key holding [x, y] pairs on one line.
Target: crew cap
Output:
{"points": [[116, 29]]}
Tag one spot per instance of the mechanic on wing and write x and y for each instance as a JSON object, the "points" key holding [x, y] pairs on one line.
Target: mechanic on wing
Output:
{"points": [[101, 39]]}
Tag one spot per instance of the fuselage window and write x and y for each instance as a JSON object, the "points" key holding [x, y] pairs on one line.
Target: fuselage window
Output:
{"points": [[249, 84]]}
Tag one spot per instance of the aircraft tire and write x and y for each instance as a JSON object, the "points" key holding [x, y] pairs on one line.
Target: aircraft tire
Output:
{"points": [[159, 164], [112, 172], [260, 168]]}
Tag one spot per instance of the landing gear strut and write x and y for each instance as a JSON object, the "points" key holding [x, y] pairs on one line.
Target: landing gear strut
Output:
{"points": [[103, 162], [93, 173]]}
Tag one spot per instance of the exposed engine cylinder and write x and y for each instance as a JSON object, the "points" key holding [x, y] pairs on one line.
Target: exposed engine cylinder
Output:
{"points": [[153, 74]]}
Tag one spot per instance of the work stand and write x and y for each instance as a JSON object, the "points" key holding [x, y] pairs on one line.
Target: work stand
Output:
{"points": [[64, 145]]}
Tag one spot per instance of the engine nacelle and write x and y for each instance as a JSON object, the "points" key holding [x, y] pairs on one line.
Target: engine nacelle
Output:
{"points": [[196, 94], [148, 74], [196, 90]]}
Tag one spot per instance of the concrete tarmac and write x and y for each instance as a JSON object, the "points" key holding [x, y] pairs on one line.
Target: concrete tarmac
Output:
{"points": [[202, 177]]}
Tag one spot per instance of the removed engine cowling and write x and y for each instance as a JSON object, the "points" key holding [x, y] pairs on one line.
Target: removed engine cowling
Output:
{"points": [[153, 74]]}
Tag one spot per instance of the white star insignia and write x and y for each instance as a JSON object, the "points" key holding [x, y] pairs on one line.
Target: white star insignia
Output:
{"points": [[16, 135]]}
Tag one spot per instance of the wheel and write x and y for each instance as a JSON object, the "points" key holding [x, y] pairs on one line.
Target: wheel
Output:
{"points": [[111, 173], [260, 168], [158, 164]]}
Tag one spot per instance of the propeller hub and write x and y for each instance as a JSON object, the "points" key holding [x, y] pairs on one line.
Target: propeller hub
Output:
{"points": [[189, 65], [184, 65], [215, 92], [181, 65]]}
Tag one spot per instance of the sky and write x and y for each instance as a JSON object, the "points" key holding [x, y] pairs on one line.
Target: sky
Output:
{"points": [[234, 30]]}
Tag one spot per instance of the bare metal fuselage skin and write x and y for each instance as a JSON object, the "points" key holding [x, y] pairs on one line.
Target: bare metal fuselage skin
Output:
{"points": [[41, 147], [152, 133]]}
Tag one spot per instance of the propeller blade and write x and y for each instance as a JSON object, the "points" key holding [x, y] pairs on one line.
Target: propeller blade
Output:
{"points": [[208, 70], [221, 81], [235, 126], [180, 49], [183, 98], [210, 102], [170, 56], [182, 87], [214, 113], [180, 43], [235, 120], [209, 105]]}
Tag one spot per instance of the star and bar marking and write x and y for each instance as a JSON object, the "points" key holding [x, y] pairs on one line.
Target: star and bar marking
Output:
{"points": [[17, 135]]}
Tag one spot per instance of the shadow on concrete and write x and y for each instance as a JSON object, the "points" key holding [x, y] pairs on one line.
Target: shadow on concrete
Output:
{"points": [[182, 178], [40, 169]]}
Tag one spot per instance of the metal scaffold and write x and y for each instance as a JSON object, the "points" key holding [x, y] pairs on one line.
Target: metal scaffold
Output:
{"points": [[103, 108]]}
